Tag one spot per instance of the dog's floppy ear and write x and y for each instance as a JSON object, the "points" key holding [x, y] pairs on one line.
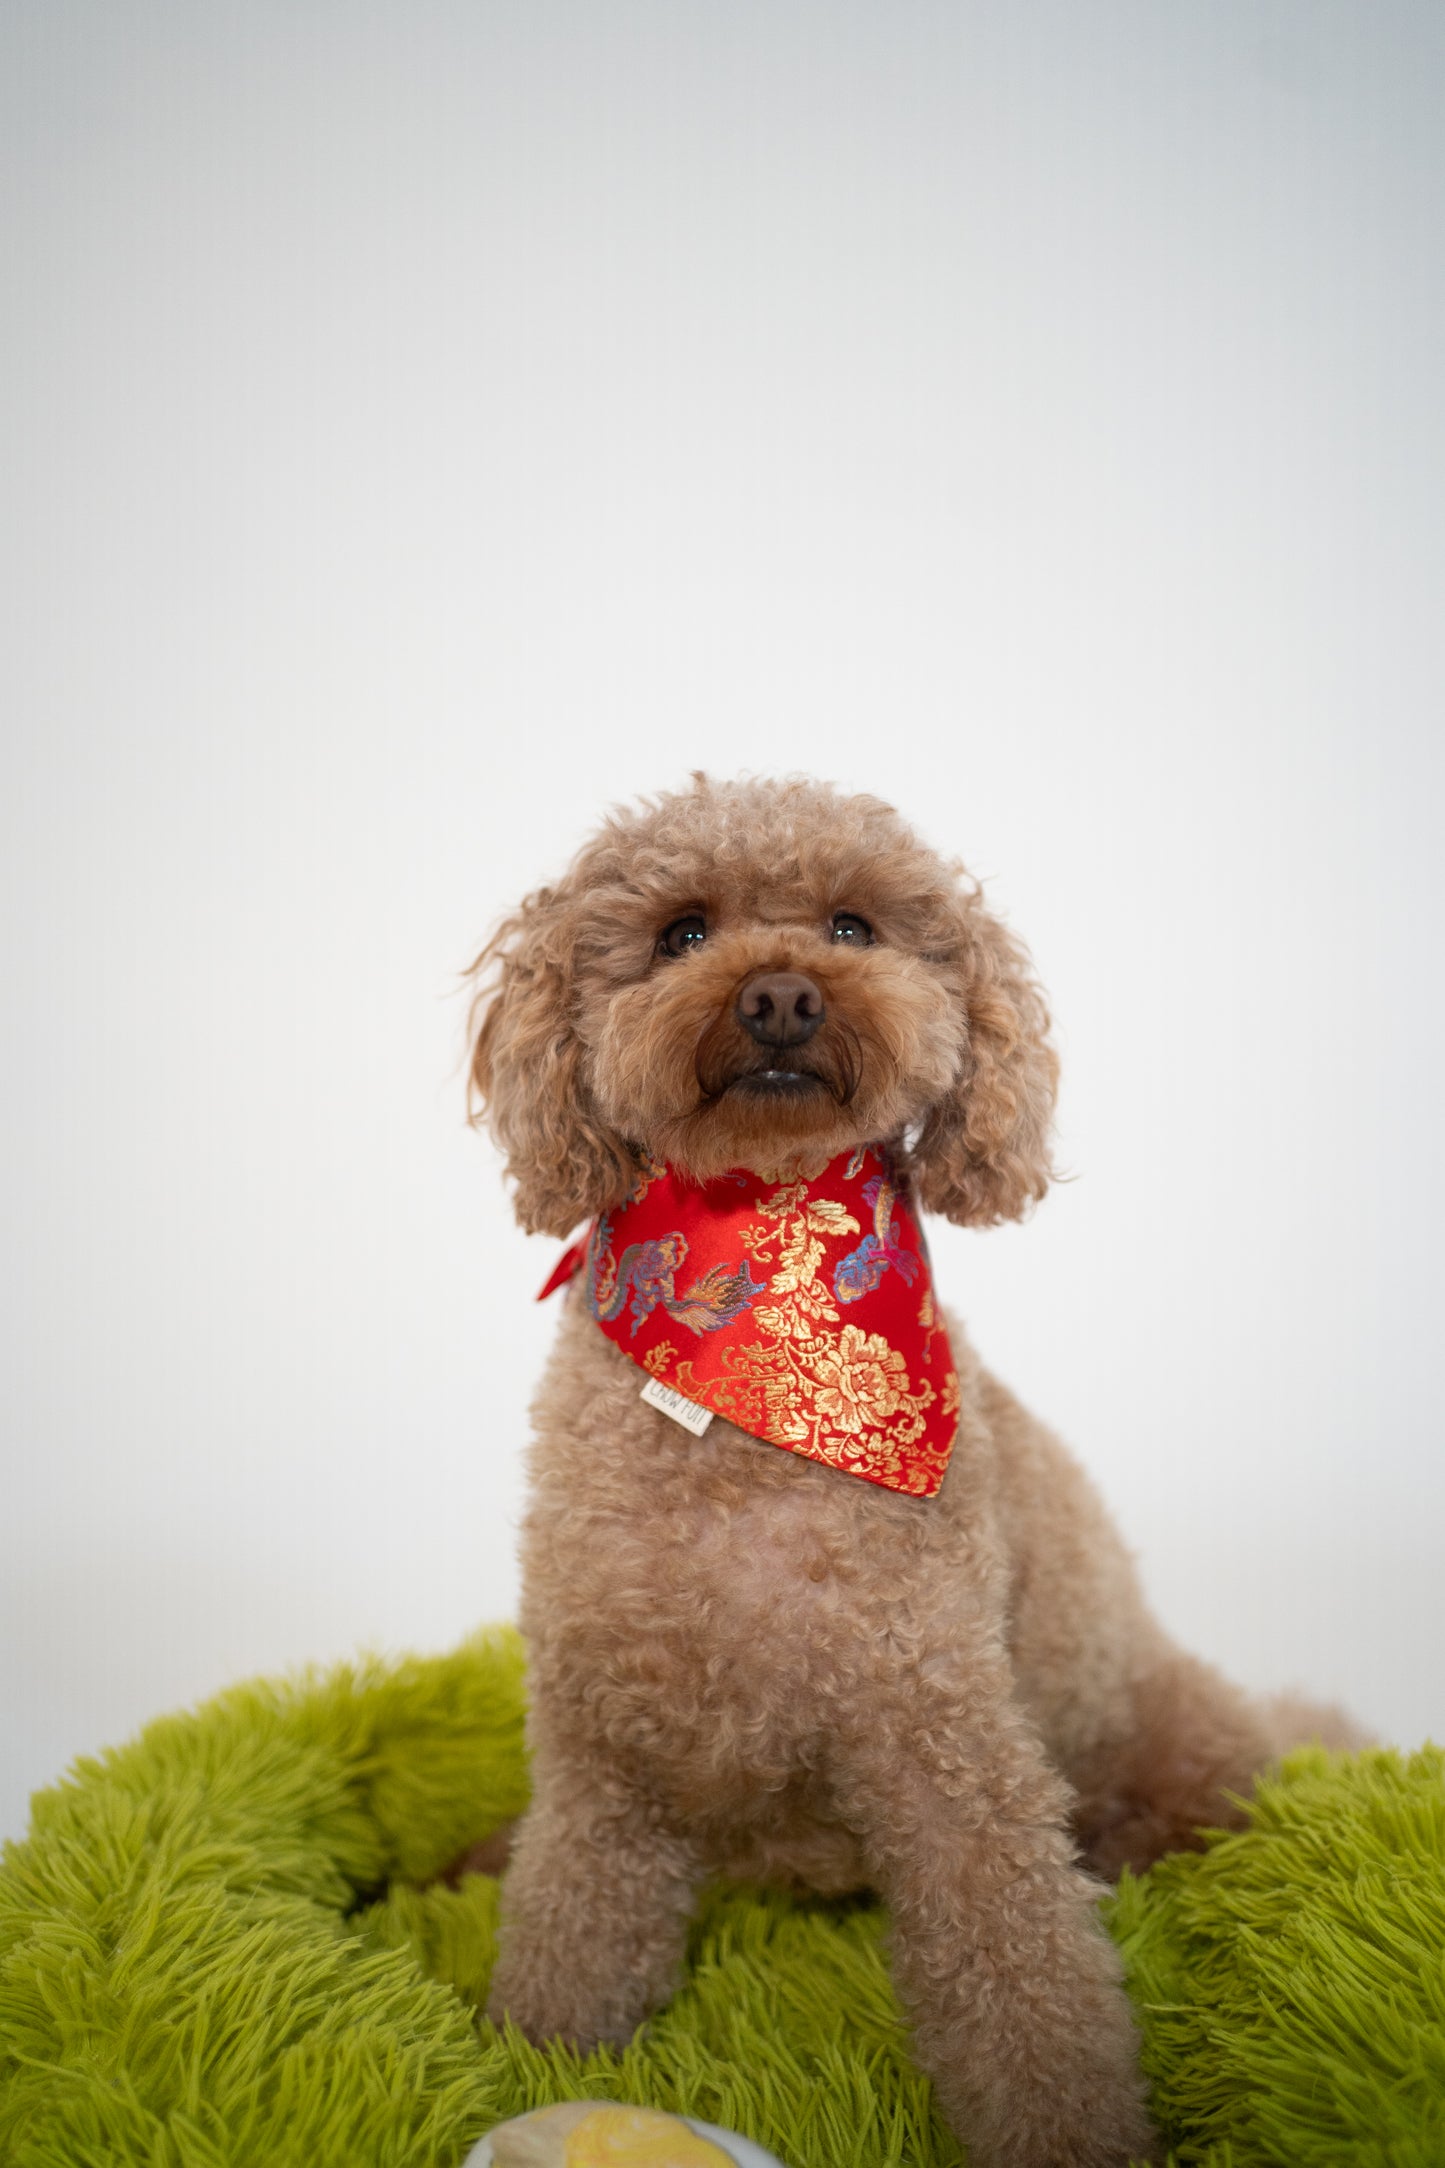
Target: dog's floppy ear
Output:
{"points": [[983, 1153], [527, 1083]]}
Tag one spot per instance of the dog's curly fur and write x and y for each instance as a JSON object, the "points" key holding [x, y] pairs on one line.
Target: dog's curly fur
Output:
{"points": [[745, 1662]]}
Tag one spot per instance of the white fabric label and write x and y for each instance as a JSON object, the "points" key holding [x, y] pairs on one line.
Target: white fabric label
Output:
{"points": [[686, 1412]]}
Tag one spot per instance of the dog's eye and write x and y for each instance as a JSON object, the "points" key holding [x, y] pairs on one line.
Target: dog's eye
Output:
{"points": [[853, 931], [683, 934]]}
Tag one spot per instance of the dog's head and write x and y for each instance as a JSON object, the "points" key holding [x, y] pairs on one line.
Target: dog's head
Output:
{"points": [[760, 974]]}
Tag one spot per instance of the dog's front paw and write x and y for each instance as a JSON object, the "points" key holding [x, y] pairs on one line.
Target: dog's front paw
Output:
{"points": [[546, 2003], [1061, 2095]]}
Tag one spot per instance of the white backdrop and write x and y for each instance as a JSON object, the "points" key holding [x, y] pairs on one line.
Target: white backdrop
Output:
{"points": [[425, 424]]}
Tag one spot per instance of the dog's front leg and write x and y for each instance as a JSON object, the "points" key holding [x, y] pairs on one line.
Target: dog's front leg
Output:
{"points": [[1012, 1987], [595, 1907]]}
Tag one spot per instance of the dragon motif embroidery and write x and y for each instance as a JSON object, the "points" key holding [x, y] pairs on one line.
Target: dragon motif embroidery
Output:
{"points": [[648, 1270], [859, 1272]]}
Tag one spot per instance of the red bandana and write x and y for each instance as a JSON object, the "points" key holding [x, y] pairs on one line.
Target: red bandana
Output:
{"points": [[801, 1311]]}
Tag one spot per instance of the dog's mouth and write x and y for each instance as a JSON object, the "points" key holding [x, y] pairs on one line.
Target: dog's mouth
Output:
{"points": [[778, 1083], [831, 1067]]}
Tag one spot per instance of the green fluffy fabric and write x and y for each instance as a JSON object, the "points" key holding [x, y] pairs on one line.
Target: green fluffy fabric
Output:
{"points": [[213, 1954], [1290, 1981]]}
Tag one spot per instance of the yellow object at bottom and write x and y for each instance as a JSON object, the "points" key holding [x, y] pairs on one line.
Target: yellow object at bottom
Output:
{"points": [[638, 2138], [599, 2134]]}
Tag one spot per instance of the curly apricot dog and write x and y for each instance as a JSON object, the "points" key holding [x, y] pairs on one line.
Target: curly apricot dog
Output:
{"points": [[745, 1661]]}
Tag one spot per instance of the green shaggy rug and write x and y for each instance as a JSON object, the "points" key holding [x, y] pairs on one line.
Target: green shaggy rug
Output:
{"points": [[213, 1955]]}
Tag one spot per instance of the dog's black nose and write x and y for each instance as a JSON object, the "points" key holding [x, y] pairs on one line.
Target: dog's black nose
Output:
{"points": [[780, 1008]]}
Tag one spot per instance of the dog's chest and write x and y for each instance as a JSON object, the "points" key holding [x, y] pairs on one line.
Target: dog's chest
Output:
{"points": [[702, 1598], [721, 1536], [701, 1553], [721, 1662]]}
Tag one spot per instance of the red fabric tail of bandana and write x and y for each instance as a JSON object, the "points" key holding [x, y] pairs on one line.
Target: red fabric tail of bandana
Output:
{"points": [[803, 1312], [567, 1264]]}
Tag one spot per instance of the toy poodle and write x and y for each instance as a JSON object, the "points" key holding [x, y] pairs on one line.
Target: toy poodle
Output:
{"points": [[808, 1595]]}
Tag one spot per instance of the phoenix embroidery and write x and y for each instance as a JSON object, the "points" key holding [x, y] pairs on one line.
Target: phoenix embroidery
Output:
{"points": [[648, 1271], [861, 1270]]}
